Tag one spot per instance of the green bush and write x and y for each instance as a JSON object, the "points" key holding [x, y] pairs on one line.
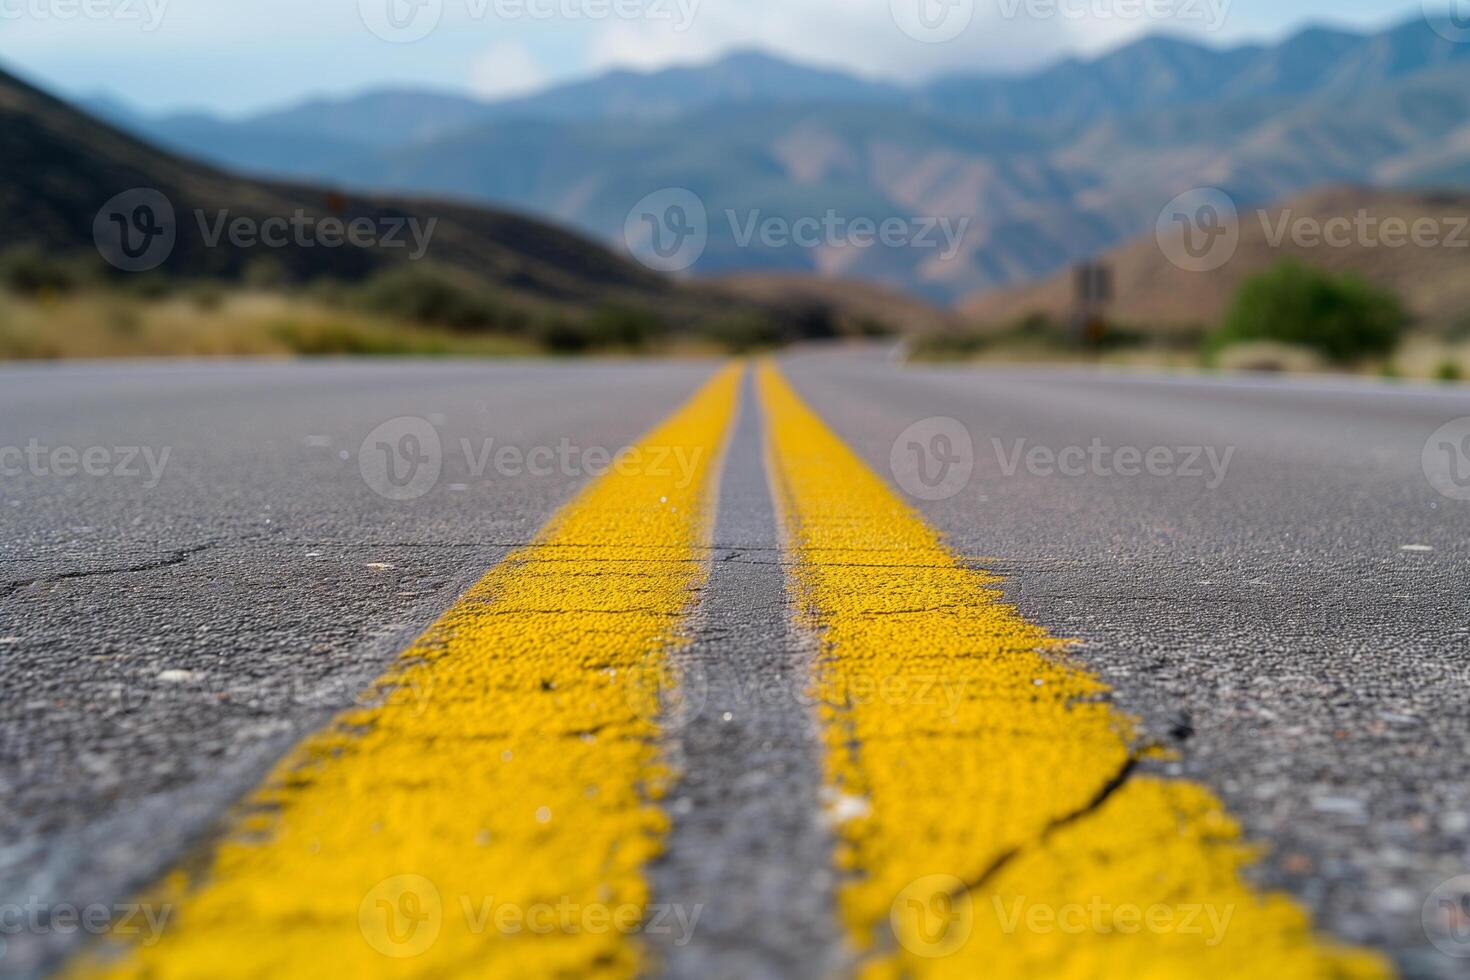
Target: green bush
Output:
{"points": [[1449, 370], [428, 295], [608, 328], [563, 336], [741, 334], [616, 326], [26, 270], [1344, 317]]}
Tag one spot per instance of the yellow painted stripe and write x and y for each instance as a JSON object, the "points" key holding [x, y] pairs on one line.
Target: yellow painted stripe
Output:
{"points": [[991, 824], [497, 823]]}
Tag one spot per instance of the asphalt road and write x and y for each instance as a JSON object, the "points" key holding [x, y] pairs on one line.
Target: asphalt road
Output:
{"points": [[1282, 600]]}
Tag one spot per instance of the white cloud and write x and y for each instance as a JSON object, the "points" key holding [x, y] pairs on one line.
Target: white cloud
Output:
{"points": [[506, 69], [861, 36], [199, 51]]}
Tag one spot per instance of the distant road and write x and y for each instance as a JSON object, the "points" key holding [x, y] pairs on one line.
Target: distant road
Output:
{"points": [[201, 564]]}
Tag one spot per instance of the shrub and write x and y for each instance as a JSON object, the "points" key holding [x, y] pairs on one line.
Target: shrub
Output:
{"points": [[1449, 370], [562, 336], [1344, 318], [616, 326], [428, 295], [740, 334], [608, 328], [28, 271]]}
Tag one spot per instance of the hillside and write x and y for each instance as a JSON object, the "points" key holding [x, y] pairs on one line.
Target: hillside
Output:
{"points": [[1164, 72], [857, 306], [1045, 168], [1154, 293], [62, 166]]}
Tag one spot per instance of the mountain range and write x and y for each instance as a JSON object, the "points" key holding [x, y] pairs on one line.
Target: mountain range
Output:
{"points": [[64, 169], [1040, 169]]}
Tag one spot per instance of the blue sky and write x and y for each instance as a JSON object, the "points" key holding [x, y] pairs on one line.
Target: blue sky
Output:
{"points": [[235, 56]]}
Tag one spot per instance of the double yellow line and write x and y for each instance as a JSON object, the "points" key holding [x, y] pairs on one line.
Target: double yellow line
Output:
{"points": [[528, 774]]}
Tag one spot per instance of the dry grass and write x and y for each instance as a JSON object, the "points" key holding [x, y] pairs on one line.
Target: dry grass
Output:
{"points": [[212, 324]]}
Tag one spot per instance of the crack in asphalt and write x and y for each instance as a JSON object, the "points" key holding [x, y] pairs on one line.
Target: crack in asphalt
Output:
{"points": [[887, 946], [177, 557]]}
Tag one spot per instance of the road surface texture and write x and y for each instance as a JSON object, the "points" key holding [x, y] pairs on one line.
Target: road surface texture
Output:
{"points": [[1287, 614]]}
